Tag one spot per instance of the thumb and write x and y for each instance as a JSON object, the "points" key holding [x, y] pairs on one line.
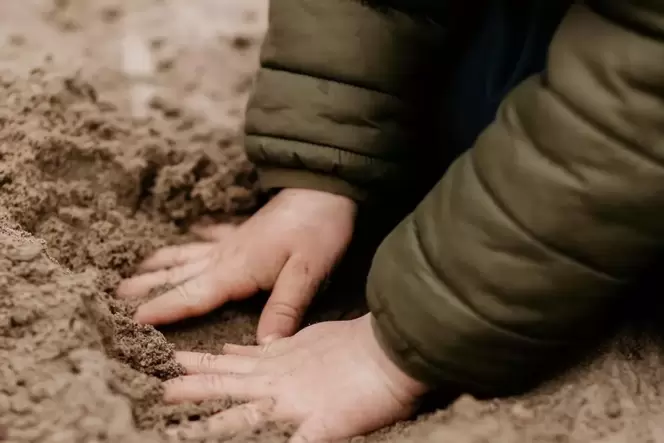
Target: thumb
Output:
{"points": [[292, 294]]}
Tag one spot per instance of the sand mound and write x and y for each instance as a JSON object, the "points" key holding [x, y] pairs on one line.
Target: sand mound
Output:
{"points": [[98, 192]]}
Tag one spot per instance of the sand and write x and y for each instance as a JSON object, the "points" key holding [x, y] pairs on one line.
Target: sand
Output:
{"points": [[120, 124]]}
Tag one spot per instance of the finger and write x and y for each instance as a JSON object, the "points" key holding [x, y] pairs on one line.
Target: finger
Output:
{"points": [[291, 296], [271, 349], [200, 387], [245, 418], [246, 351], [216, 232], [141, 285], [171, 256], [242, 418], [196, 297], [203, 363], [190, 299]]}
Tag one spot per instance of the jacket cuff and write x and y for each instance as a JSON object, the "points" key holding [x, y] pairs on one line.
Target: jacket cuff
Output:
{"points": [[402, 353], [429, 332], [271, 178]]}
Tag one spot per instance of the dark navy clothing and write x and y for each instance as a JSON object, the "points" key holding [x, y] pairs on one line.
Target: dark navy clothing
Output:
{"points": [[510, 44]]}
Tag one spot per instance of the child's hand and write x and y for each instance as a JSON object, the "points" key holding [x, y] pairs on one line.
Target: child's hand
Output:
{"points": [[332, 380], [289, 247]]}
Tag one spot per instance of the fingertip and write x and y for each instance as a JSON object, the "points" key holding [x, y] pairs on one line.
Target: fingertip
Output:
{"points": [[143, 316], [151, 262], [291, 296], [124, 289], [143, 267], [275, 325], [279, 319]]}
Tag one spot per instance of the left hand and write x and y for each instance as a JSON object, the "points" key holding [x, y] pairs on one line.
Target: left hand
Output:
{"points": [[332, 380]]}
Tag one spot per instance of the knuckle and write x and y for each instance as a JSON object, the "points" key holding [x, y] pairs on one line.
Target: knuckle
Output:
{"points": [[207, 361], [181, 380], [286, 310]]}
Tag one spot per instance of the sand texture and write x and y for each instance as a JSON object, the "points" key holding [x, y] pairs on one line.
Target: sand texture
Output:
{"points": [[120, 124]]}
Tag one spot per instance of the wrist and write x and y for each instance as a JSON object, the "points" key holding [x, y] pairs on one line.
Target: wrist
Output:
{"points": [[338, 201], [402, 384]]}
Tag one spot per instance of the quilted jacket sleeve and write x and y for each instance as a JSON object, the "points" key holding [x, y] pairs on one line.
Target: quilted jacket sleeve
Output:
{"points": [[519, 251], [336, 100]]}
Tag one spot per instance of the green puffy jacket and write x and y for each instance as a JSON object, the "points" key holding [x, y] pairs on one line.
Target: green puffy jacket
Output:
{"points": [[524, 244]]}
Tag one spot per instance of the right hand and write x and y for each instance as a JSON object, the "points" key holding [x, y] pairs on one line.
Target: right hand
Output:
{"points": [[289, 247], [332, 380]]}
